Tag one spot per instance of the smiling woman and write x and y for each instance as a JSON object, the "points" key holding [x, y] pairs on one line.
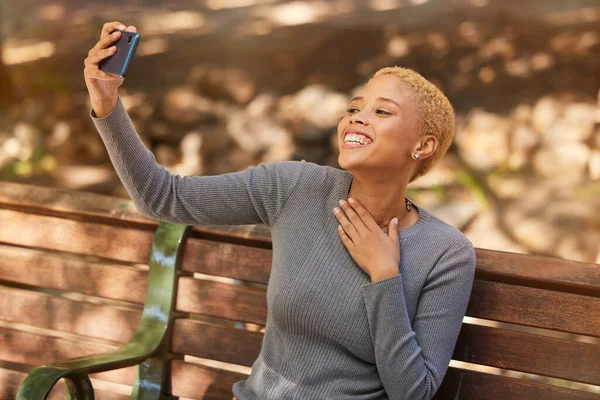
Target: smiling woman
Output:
{"points": [[354, 312]]}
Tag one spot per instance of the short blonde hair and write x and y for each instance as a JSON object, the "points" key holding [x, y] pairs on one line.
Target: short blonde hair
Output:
{"points": [[434, 109]]}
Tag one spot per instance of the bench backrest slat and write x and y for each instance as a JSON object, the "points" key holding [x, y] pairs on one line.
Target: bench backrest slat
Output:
{"points": [[229, 260], [473, 385], [540, 272], [70, 273], [222, 300], [535, 307], [202, 382], [87, 238], [526, 352], [231, 345], [42, 310]]}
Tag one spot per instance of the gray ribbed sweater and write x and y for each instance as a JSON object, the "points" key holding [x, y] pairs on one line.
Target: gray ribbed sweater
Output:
{"points": [[330, 333]]}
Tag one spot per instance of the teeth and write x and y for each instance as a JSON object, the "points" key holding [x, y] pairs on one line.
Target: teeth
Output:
{"points": [[354, 138]]}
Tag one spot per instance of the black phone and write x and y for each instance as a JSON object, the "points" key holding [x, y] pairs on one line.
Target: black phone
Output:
{"points": [[119, 62]]}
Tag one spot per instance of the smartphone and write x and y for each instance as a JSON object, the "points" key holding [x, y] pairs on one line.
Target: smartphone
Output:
{"points": [[119, 62]]}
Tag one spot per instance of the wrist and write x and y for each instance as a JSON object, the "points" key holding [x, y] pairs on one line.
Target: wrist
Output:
{"points": [[103, 108], [384, 274]]}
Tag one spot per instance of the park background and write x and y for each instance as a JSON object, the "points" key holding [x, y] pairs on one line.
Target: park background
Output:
{"points": [[219, 85]]}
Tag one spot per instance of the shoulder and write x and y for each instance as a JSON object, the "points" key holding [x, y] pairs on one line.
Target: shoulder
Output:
{"points": [[450, 240], [320, 177]]}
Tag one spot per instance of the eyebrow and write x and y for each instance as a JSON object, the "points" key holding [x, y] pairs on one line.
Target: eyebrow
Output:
{"points": [[385, 99]]}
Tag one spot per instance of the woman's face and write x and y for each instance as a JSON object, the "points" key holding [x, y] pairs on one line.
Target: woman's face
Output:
{"points": [[383, 119]]}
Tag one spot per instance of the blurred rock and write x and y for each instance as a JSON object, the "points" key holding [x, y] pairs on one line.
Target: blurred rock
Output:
{"points": [[257, 134], [484, 232], [483, 142], [223, 83], [28, 139], [575, 125], [138, 105], [456, 213], [594, 167], [216, 142], [583, 117], [184, 106], [191, 156], [549, 214], [509, 187], [566, 163], [311, 152], [313, 113], [166, 156], [522, 113], [444, 173], [262, 105], [523, 140], [59, 136], [545, 112], [62, 105]]}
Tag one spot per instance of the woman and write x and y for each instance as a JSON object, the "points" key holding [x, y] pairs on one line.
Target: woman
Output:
{"points": [[367, 291]]}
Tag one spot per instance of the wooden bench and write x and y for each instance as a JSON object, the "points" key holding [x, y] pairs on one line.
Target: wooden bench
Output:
{"points": [[74, 272]]}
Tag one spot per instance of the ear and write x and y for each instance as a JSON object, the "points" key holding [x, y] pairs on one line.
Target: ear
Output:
{"points": [[427, 146]]}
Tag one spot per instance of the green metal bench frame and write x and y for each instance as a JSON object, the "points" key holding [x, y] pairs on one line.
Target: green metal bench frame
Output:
{"points": [[149, 347]]}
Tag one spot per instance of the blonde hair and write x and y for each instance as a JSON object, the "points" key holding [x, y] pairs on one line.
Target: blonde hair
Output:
{"points": [[434, 109]]}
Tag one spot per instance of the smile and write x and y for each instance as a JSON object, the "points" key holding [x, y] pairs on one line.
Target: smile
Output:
{"points": [[356, 139]]}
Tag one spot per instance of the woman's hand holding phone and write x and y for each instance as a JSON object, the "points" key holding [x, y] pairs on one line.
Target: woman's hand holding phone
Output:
{"points": [[102, 87]]}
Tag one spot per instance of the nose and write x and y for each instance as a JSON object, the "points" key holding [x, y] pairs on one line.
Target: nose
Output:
{"points": [[358, 118]]}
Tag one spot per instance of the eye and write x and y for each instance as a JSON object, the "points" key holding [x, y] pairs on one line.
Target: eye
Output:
{"points": [[382, 112], [352, 110]]}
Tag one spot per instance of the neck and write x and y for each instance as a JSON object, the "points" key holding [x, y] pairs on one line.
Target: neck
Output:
{"points": [[383, 199]]}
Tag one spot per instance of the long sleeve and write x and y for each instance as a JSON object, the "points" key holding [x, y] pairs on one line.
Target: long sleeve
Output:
{"points": [[412, 360], [255, 195]]}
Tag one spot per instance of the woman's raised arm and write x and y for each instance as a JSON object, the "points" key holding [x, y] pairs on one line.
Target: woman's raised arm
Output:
{"points": [[255, 195]]}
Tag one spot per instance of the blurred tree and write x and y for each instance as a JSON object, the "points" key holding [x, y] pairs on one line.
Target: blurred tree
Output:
{"points": [[7, 91]]}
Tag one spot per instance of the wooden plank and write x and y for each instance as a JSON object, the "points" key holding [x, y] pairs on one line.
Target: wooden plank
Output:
{"points": [[72, 274], [58, 313], [34, 350], [62, 202], [526, 352], [220, 343], [201, 382], [108, 209], [472, 385], [540, 272], [226, 259], [496, 301], [222, 300], [11, 380], [100, 240]]}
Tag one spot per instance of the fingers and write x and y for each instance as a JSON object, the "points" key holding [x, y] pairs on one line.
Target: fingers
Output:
{"points": [[393, 231], [345, 238], [107, 41], [102, 50], [131, 28], [94, 72], [354, 217], [108, 27], [99, 55], [346, 225], [364, 215]]}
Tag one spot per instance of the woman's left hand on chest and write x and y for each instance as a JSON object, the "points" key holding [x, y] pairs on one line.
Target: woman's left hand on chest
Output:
{"points": [[376, 252]]}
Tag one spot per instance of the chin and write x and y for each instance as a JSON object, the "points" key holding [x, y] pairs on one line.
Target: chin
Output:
{"points": [[348, 163]]}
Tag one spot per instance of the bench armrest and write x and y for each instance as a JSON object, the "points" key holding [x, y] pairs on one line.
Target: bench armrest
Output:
{"points": [[149, 344]]}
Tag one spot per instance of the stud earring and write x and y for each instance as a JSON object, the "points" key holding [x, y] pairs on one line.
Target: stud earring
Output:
{"points": [[416, 156]]}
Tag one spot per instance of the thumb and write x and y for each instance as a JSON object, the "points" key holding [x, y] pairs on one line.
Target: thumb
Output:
{"points": [[393, 231]]}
